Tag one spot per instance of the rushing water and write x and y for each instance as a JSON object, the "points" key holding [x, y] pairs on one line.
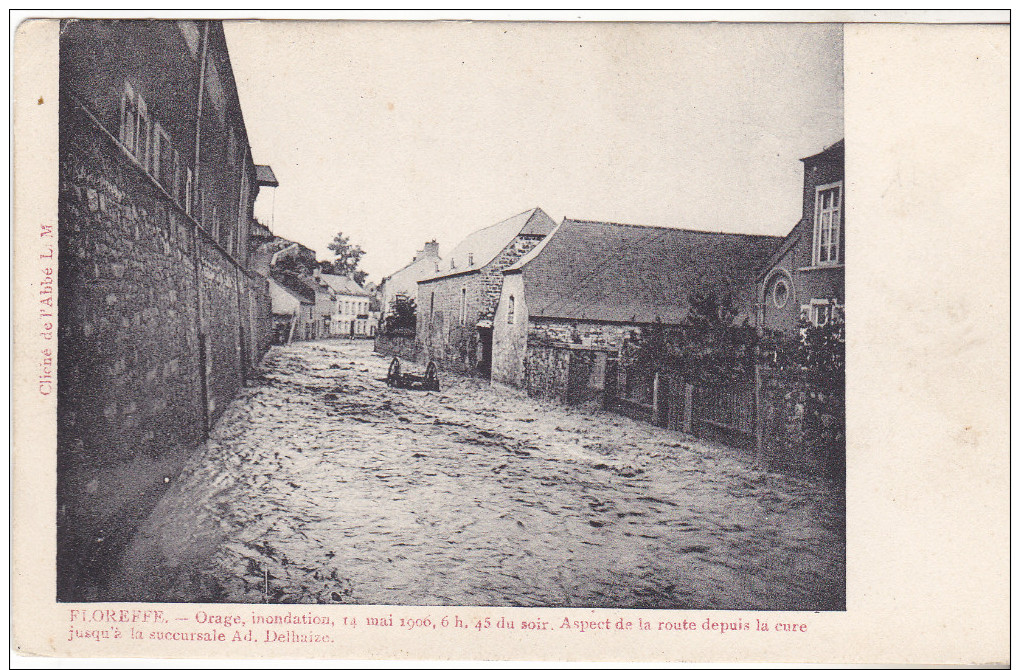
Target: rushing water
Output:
{"points": [[321, 484]]}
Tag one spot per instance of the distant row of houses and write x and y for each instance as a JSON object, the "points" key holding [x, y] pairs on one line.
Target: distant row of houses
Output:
{"points": [[511, 294], [308, 304]]}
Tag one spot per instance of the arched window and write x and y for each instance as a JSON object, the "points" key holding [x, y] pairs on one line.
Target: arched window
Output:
{"points": [[510, 310], [780, 293]]}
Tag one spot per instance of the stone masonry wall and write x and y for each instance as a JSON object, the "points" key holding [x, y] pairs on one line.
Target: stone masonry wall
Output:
{"points": [[129, 348], [546, 370], [442, 337], [607, 335]]}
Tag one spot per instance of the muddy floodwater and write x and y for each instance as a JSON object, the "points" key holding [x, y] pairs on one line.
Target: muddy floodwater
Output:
{"points": [[321, 484]]}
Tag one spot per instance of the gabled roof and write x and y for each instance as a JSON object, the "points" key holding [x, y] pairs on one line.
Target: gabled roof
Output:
{"points": [[420, 261], [791, 239], [298, 285], [482, 246], [291, 292], [343, 285], [597, 271]]}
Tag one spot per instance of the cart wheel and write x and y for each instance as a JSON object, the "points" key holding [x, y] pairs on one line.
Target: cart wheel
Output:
{"points": [[432, 377], [393, 376]]}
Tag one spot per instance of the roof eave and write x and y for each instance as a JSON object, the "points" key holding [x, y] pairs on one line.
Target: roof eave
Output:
{"points": [[449, 275]]}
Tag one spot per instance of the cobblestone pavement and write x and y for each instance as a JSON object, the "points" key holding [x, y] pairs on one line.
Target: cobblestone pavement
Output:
{"points": [[321, 484]]}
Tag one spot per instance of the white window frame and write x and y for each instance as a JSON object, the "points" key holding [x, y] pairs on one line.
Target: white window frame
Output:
{"points": [[163, 169], [188, 188], [143, 134], [128, 124], [835, 216], [819, 306], [178, 178]]}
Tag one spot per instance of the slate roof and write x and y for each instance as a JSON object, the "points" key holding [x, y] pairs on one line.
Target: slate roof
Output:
{"points": [[293, 293], [264, 176], [305, 287], [482, 246], [343, 285], [598, 271]]}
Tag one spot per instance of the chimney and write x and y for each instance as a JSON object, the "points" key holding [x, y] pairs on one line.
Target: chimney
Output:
{"points": [[431, 249]]}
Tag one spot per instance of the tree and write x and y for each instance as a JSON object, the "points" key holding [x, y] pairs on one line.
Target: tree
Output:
{"points": [[347, 258], [707, 347], [402, 317]]}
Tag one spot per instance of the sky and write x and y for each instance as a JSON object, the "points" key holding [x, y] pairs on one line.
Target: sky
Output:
{"points": [[397, 133]]}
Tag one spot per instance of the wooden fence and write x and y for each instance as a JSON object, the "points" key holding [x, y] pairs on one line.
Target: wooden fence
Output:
{"points": [[768, 413]]}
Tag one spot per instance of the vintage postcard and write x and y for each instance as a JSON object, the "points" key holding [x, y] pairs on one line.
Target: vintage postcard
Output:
{"points": [[511, 340]]}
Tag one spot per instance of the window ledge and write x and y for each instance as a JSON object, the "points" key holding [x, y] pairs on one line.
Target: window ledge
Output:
{"points": [[812, 268]]}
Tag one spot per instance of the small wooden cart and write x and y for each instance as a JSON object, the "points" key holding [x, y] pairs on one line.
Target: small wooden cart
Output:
{"points": [[430, 382]]}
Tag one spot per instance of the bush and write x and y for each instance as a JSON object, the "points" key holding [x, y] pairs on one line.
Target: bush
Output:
{"points": [[402, 317]]}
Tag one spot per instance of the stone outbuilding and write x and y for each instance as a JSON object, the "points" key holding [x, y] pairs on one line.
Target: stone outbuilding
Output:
{"points": [[567, 307], [456, 306], [293, 313]]}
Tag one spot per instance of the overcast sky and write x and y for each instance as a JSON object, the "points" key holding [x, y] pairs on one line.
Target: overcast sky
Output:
{"points": [[397, 133]]}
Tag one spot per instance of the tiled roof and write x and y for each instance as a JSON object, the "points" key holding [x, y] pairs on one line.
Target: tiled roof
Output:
{"points": [[597, 271], [482, 246], [343, 285]]}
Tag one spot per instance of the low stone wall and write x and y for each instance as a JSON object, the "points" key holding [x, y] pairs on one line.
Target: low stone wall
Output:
{"points": [[803, 424], [396, 344], [546, 371]]}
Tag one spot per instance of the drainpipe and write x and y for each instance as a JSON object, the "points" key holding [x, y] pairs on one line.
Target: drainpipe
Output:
{"points": [[195, 238], [241, 276]]}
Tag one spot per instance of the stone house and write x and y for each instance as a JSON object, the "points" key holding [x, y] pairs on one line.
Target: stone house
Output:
{"points": [[456, 306], [293, 313], [805, 275], [161, 317], [404, 282], [567, 307], [353, 317]]}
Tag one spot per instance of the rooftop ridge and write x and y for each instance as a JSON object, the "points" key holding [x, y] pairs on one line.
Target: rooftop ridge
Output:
{"points": [[686, 230], [502, 221]]}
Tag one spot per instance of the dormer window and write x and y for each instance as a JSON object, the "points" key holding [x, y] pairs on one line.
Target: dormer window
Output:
{"points": [[828, 212]]}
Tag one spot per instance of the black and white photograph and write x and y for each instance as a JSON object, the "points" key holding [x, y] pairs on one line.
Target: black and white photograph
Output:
{"points": [[454, 314]]}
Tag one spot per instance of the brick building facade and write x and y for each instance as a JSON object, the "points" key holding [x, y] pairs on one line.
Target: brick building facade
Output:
{"points": [[456, 307], [805, 276], [160, 317]]}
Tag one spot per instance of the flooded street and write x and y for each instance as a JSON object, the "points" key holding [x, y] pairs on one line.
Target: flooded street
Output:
{"points": [[323, 485]]}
